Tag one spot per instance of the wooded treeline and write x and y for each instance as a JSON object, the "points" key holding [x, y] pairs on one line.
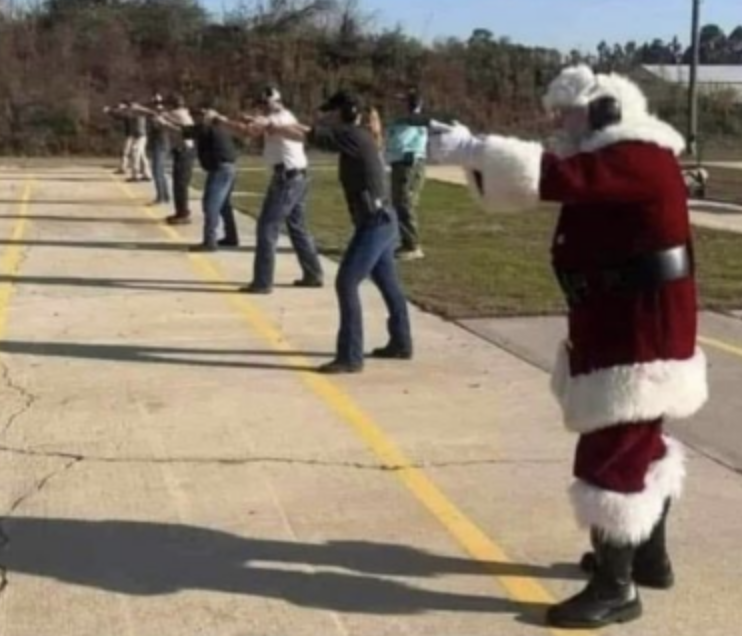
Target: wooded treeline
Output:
{"points": [[63, 60]]}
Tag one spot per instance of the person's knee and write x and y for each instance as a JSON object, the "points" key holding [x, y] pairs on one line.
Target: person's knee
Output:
{"points": [[268, 231], [347, 282]]}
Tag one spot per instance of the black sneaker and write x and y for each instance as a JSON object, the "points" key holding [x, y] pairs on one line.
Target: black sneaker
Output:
{"points": [[337, 367], [309, 283], [254, 289], [203, 248], [391, 352], [410, 254], [229, 243]]}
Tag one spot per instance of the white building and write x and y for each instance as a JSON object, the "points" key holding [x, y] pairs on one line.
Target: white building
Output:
{"points": [[711, 78]]}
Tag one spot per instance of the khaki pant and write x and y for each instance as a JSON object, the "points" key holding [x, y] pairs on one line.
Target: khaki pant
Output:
{"points": [[126, 155], [407, 184], [139, 163]]}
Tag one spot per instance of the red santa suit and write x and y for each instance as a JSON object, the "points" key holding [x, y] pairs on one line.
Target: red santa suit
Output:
{"points": [[631, 361]]}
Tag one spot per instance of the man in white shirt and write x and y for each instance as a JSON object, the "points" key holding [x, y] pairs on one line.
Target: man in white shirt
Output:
{"points": [[184, 155], [285, 200]]}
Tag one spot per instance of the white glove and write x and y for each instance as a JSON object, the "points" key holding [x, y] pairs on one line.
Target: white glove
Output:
{"points": [[452, 144]]}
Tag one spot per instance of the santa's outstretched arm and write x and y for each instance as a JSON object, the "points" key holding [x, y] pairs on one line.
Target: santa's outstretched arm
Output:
{"points": [[503, 173]]}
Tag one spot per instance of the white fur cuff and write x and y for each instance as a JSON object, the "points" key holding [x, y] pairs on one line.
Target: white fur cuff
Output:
{"points": [[509, 174], [630, 519], [672, 389]]}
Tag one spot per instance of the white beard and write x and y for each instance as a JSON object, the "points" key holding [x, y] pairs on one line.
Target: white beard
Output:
{"points": [[563, 144]]}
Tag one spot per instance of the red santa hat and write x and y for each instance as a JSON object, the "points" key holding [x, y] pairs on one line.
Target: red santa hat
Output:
{"points": [[578, 87]]}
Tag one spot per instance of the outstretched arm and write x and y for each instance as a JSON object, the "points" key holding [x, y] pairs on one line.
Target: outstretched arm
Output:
{"points": [[249, 125], [293, 132]]}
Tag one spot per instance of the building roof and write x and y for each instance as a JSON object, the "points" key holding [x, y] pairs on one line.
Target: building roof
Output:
{"points": [[710, 77]]}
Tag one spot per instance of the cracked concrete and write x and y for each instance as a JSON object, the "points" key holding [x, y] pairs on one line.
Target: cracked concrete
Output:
{"points": [[34, 490], [27, 399], [284, 461]]}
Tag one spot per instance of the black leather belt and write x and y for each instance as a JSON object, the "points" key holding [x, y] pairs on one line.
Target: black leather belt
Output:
{"points": [[280, 170], [643, 272]]}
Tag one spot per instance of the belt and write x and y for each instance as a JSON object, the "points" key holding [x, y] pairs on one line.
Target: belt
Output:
{"points": [[644, 272], [280, 170]]}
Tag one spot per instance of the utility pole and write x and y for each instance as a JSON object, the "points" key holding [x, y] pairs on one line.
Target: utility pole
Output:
{"points": [[693, 87]]}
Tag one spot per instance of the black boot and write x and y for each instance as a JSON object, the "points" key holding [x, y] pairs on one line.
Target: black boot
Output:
{"points": [[652, 566], [610, 597], [392, 352]]}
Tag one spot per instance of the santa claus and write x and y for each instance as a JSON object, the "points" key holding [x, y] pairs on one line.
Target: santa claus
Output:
{"points": [[622, 253]]}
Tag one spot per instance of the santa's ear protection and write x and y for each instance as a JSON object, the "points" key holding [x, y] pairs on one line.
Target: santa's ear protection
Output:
{"points": [[603, 112]]}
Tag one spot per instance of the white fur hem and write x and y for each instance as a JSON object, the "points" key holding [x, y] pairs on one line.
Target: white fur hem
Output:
{"points": [[629, 519], [510, 172], [671, 389], [648, 129]]}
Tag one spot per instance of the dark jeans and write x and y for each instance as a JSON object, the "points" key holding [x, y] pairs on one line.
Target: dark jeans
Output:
{"points": [[407, 183], [217, 204], [371, 253], [182, 173], [158, 157], [285, 202]]}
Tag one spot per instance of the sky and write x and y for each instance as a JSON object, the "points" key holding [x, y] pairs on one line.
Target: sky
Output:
{"points": [[561, 24]]}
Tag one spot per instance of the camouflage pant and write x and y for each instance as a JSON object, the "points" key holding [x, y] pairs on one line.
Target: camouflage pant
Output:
{"points": [[407, 184]]}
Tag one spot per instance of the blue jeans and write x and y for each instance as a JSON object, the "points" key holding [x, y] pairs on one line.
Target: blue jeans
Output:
{"points": [[159, 173], [371, 253], [217, 204], [285, 202]]}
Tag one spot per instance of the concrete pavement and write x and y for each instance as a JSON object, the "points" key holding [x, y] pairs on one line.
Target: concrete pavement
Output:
{"points": [[171, 464]]}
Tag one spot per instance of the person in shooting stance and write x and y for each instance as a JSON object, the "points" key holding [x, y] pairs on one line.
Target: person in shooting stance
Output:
{"points": [[285, 201], [623, 254], [342, 129]]}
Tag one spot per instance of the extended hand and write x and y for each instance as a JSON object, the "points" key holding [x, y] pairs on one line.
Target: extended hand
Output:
{"points": [[452, 144]]}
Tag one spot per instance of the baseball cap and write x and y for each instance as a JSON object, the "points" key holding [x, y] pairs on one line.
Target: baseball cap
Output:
{"points": [[341, 100]]}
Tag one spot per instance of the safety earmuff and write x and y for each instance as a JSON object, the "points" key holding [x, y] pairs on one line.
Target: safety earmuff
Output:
{"points": [[269, 95], [603, 112]]}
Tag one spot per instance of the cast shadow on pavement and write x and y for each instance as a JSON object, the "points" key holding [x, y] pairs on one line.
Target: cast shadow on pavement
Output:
{"points": [[136, 284], [151, 559], [132, 246], [114, 220], [190, 357]]}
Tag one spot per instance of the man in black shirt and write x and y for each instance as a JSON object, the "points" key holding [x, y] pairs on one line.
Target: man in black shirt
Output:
{"points": [[218, 157], [371, 249]]}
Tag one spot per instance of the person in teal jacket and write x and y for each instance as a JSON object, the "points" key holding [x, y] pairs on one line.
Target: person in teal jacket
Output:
{"points": [[406, 152]]}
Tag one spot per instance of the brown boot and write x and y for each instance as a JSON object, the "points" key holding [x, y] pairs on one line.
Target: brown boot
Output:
{"points": [[178, 219]]}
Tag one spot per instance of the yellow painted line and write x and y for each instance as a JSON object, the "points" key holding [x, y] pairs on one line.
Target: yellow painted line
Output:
{"points": [[469, 536], [721, 345], [11, 258]]}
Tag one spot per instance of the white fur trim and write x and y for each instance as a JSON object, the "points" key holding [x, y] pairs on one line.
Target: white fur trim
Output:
{"points": [[578, 86], [629, 519], [511, 173], [634, 106], [570, 88], [671, 389], [648, 129]]}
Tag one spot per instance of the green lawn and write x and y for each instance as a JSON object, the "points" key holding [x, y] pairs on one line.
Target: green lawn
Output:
{"points": [[485, 265]]}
